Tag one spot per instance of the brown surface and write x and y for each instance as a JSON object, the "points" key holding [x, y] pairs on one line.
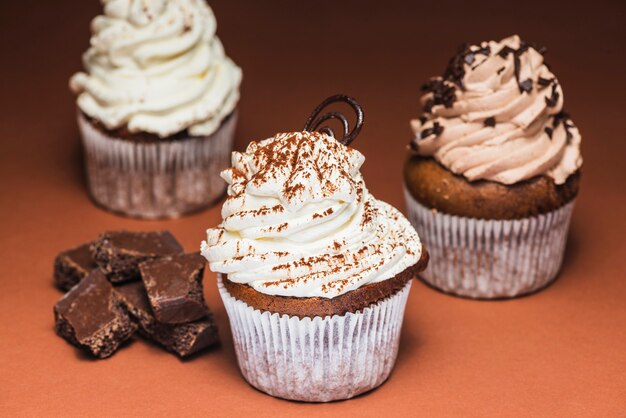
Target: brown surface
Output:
{"points": [[438, 188], [311, 307], [557, 353]]}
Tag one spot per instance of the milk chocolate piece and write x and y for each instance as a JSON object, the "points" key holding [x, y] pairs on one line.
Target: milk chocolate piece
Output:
{"points": [[181, 339], [118, 253], [92, 317], [72, 266], [174, 286]]}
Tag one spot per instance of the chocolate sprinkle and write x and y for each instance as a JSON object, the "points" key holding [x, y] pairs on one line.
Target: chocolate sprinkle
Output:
{"points": [[549, 131], [443, 93], [554, 97], [490, 121], [505, 51], [455, 71], [567, 124], [526, 85], [500, 70], [315, 120], [436, 130], [545, 82]]}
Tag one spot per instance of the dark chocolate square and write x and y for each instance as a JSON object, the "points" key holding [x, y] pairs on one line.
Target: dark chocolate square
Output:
{"points": [[174, 287], [91, 316], [72, 266], [118, 253], [181, 339]]}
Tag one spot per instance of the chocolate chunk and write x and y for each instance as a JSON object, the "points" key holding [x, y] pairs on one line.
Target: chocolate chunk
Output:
{"points": [[174, 286], [500, 70], [118, 253], [491, 121], [181, 339], [92, 317], [73, 265]]}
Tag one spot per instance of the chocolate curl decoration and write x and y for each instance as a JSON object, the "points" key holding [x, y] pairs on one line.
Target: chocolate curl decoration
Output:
{"points": [[315, 120]]}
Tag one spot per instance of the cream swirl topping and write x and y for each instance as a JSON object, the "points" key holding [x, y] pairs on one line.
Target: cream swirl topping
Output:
{"points": [[157, 66], [497, 114], [299, 221]]}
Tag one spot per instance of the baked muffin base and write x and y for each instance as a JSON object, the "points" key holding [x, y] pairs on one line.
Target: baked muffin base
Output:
{"points": [[148, 179], [317, 349], [352, 301], [316, 359], [438, 188]]}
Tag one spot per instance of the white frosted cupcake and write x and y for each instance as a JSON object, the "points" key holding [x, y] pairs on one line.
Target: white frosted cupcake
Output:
{"points": [[156, 107], [314, 271], [494, 173]]}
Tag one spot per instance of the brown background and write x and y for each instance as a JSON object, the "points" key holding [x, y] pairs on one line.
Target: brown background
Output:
{"points": [[561, 352]]}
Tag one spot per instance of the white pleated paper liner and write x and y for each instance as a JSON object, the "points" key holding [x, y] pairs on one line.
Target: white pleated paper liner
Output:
{"points": [[318, 359], [156, 180], [488, 259]]}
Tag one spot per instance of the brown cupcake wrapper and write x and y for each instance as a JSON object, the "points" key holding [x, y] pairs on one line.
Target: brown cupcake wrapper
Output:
{"points": [[316, 359], [156, 180], [490, 259]]}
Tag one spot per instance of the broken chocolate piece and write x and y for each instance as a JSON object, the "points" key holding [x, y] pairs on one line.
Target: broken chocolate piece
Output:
{"points": [[490, 121], [181, 339], [118, 253], [92, 317], [174, 287], [72, 266]]}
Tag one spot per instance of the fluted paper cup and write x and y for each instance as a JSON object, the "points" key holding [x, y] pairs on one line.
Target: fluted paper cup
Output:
{"points": [[316, 359], [489, 259], [154, 180]]}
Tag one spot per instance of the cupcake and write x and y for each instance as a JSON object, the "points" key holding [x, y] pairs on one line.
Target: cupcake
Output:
{"points": [[156, 107], [313, 270], [494, 173]]}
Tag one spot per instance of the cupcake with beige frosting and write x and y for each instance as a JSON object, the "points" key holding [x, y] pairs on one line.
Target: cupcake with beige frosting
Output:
{"points": [[494, 172], [156, 107], [313, 270]]}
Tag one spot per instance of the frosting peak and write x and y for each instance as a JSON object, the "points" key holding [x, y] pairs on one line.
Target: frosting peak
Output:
{"points": [[497, 114], [296, 168], [157, 66], [299, 221]]}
